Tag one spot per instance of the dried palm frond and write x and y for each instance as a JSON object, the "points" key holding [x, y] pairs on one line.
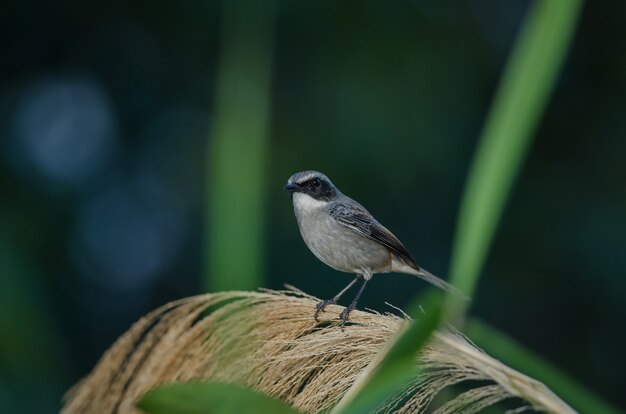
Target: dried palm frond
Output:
{"points": [[269, 341]]}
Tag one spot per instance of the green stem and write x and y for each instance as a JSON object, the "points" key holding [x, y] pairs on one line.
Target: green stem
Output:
{"points": [[237, 154], [517, 108]]}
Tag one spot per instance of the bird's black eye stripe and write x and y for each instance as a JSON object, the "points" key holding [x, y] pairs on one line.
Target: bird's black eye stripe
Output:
{"points": [[312, 183]]}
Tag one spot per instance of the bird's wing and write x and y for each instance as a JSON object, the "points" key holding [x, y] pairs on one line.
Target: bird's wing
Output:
{"points": [[359, 220]]}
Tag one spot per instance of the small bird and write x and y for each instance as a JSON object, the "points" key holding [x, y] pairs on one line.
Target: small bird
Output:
{"points": [[345, 236]]}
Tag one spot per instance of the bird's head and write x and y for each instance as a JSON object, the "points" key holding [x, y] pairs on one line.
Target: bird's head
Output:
{"points": [[312, 183]]}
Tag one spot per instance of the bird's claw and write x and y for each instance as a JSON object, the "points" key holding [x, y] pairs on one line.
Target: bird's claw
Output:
{"points": [[322, 305], [345, 315]]}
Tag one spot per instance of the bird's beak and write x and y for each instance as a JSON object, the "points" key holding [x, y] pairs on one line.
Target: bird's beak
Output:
{"points": [[290, 187]]}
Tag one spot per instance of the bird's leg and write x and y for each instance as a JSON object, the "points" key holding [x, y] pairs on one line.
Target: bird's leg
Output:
{"points": [[321, 305], [346, 312]]}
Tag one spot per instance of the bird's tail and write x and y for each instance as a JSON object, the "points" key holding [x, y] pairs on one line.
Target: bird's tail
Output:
{"points": [[440, 283], [437, 281]]}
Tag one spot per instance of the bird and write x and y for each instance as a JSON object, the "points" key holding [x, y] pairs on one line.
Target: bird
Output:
{"points": [[345, 236]]}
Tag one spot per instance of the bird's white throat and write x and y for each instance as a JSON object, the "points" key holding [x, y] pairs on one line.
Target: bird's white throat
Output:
{"points": [[305, 203]]}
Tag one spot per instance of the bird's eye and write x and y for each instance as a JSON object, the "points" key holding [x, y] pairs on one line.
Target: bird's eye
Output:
{"points": [[316, 182]]}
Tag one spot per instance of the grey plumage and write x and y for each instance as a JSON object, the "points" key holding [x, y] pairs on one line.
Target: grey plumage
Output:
{"points": [[345, 236]]}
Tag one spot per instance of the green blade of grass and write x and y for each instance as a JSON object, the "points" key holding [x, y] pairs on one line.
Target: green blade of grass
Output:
{"points": [[237, 154], [213, 398], [519, 103], [396, 363], [516, 356]]}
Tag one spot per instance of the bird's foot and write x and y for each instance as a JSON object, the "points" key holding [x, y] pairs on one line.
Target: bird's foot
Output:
{"points": [[345, 314], [322, 305]]}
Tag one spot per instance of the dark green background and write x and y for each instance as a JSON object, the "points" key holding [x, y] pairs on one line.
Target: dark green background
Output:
{"points": [[106, 112]]}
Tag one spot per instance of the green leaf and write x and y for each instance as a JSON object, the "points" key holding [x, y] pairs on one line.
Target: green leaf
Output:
{"points": [[210, 398], [517, 108], [396, 364], [516, 356]]}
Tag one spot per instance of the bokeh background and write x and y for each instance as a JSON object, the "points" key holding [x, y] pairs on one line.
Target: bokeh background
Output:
{"points": [[107, 116]]}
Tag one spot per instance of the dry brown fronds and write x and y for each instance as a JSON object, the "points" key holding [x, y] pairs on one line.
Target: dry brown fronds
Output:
{"points": [[270, 342]]}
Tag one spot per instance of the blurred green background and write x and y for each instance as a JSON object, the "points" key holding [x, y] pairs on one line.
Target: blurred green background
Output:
{"points": [[109, 164]]}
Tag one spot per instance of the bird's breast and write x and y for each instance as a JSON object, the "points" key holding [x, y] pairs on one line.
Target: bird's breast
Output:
{"points": [[336, 245]]}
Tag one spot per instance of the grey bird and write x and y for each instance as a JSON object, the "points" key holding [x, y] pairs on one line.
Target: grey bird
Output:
{"points": [[345, 236]]}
